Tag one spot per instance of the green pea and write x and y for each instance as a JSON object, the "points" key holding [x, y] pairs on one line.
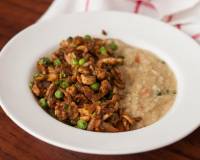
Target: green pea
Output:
{"points": [[64, 84], [57, 62], [88, 37], [103, 50], [82, 124], [30, 84], [36, 75], [95, 86], [113, 46], [62, 75], [43, 103], [75, 62], [44, 61], [58, 94], [81, 61], [65, 107]]}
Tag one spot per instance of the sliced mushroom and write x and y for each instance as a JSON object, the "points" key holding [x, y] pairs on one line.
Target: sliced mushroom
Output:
{"points": [[87, 91], [60, 114], [82, 48], [97, 124], [52, 77], [114, 119], [41, 68], [118, 80], [84, 70], [71, 90], [106, 116], [73, 111], [36, 90], [98, 109], [87, 79], [40, 77], [109, 61], [105, 87], [114, 100], [91, 124], [80, 99], [108, 127], [90, 107], [120, 85], [101, 73], [49, 94], [51, 69], [69, 57], [78, 78], [128, 118]]}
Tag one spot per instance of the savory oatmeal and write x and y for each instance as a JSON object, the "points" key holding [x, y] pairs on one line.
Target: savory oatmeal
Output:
{"points": [[103, 85], [150, 84]]}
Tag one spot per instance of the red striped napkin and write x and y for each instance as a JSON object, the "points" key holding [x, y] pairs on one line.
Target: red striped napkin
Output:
{"points": [[182, 14]]}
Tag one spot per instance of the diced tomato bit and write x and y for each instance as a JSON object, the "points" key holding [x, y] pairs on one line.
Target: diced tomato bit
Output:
{"points": [[137, 59], [145, 92]]}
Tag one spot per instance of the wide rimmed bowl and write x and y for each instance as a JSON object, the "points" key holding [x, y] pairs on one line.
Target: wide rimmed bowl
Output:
{"points": [[18, 57]]}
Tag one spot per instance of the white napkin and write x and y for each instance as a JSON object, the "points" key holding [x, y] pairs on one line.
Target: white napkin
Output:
{"points": [[183, 14]]}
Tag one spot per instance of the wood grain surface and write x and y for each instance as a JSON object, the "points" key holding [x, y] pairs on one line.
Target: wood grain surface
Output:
{"points": [[16, 144]]}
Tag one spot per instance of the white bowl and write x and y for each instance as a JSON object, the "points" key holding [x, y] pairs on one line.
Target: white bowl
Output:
{"points": [[19, 56]]}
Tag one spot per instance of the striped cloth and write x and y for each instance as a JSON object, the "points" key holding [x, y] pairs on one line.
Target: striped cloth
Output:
{"points": [[182, 14]]}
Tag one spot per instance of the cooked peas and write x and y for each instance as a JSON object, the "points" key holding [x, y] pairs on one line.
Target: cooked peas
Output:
{"points": [[88, 37], [113, 46], [31, 84], [95, 86], [103, 50], [65, 107], [75, 62], [44, 61], [62, 75], [36, 75], [58, 94], [82, 124], [64, 84], [57, 62], [43, 103], [81, 61], [74, 76]]}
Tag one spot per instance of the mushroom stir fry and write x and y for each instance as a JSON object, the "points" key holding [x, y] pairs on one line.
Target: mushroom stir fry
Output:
{"points": [[81, 85]]}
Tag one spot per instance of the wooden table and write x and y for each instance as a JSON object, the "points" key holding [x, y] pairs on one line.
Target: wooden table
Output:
{"points": [[16, 144]]}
